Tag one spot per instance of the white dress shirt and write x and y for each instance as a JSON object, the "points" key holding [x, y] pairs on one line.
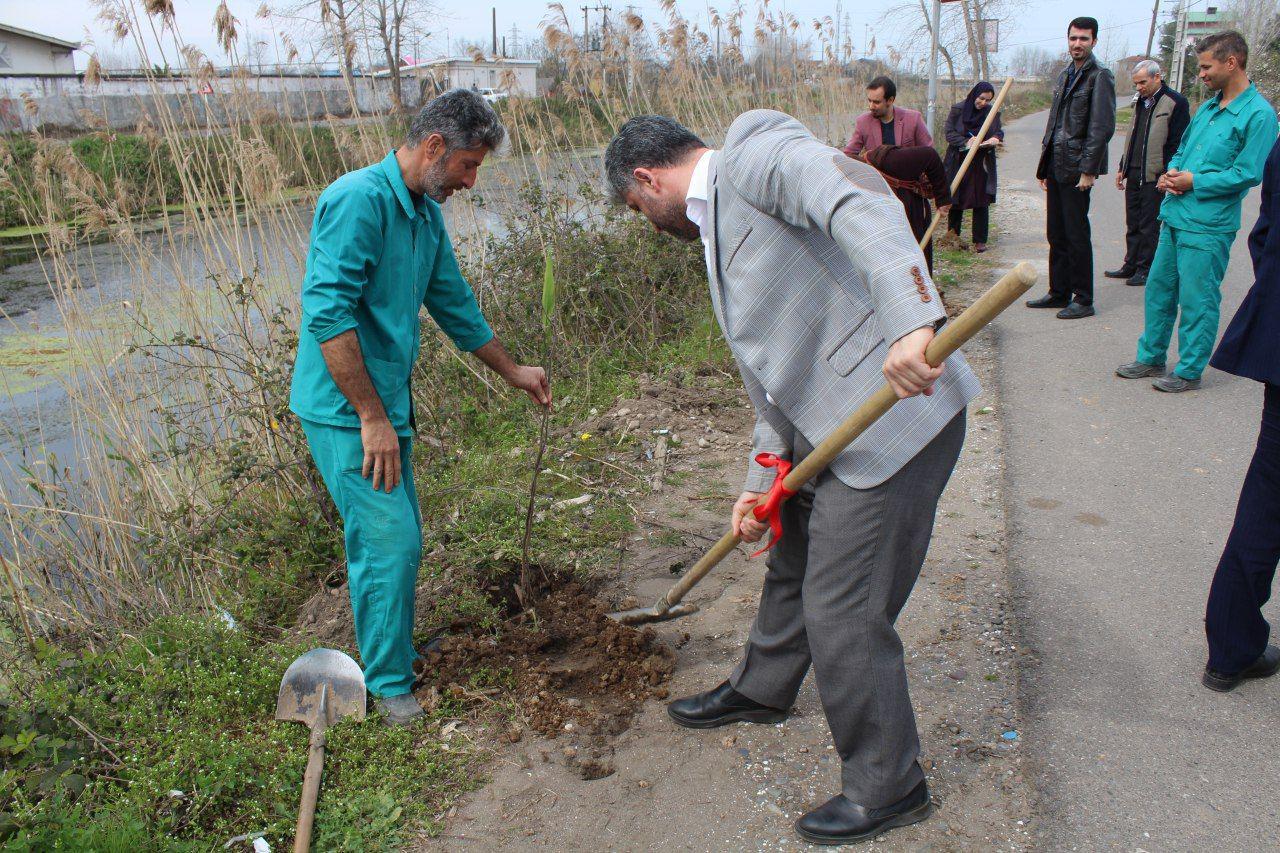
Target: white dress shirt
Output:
{"points": [[696, 200]]}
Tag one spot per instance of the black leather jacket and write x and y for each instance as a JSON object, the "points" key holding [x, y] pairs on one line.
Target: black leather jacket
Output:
{"points": [[1077, 144]]}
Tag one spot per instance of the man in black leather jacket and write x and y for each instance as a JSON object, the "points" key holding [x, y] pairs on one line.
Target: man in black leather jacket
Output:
{"points": [[1081, 123]]}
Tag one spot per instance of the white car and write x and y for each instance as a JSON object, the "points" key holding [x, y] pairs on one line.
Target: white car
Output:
{"points": [[492, 95]]}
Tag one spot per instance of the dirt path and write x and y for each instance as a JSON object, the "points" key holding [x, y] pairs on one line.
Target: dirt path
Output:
{"points": [[741, 787]]}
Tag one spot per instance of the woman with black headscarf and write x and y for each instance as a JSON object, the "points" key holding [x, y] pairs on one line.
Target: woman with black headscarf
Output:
{"points": [[977, 192]]}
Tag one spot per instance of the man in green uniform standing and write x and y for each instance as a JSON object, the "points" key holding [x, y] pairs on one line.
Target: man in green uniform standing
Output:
{"points": [[379, 253], [1221, 157]]}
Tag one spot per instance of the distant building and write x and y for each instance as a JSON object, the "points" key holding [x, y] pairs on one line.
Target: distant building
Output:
{"points": [[1208, 22], [509, 76], [23, 52]]}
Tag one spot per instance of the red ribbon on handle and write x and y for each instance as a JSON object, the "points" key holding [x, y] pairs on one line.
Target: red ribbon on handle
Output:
{"points": [[770, 509]]}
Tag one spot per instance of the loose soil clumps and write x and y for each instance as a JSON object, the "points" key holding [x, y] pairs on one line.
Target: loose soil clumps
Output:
{"points": [[576, 675]]}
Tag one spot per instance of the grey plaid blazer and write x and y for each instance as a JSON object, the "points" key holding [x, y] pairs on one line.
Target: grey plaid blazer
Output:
{"points": [[813, 267]]}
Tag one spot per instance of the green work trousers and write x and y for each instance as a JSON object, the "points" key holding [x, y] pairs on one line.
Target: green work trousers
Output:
{"points": [[1186, 275], [383, 535]]}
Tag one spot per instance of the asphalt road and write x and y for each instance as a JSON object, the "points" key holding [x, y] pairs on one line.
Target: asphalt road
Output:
{"points": [[1120, 498]]}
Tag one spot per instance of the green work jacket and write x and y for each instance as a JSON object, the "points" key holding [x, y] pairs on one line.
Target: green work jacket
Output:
{"points": [[1224, 149], [376, 258]]}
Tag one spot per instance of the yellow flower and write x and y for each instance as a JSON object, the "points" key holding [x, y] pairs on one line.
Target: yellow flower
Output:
{"points": [[585, 436]]}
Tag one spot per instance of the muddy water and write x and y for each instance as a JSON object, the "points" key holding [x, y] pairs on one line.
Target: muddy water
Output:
{"points": [[38, 341]]}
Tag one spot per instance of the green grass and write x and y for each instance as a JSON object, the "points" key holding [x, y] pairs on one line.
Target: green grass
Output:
{"points": [[187, 707]]}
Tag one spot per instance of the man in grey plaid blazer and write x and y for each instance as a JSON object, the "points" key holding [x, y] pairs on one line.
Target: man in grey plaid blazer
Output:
{"points": [[822, 294]]}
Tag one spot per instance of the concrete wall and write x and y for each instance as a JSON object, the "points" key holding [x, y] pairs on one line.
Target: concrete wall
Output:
{"points": [[33, 56], [65, 103]]}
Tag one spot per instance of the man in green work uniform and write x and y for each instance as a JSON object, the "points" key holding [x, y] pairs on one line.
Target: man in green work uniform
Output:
{"points": [[1221, 157], [379, 253]]}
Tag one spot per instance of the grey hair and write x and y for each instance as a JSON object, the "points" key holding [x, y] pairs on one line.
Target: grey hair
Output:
{"points": [[1149, 67], [645, 142], [463, 118]]}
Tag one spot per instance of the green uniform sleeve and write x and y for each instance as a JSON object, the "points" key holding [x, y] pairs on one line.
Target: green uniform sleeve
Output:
{"points": [[451, 303], [1246, 171], [346, 242]]}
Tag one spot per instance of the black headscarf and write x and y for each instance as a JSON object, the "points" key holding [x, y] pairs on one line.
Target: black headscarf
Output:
{"points": [[970, 116]]}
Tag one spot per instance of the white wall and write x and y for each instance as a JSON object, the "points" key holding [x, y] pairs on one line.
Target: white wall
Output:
{"points": [[32, 56], [515, 79]]}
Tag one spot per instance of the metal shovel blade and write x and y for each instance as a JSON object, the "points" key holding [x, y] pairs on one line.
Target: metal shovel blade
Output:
{"points": [[302, 689]]}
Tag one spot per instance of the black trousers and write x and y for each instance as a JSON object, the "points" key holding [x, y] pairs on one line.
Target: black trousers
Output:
{"points": [[1070, 242], [1141, 206], [1242, 584], [981, 222]]}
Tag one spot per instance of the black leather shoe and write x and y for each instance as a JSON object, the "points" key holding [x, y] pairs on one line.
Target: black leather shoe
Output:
{"points": [[1123, 272], [841, 821], [719, 707], [1138, 279], [1267, 665], [1048, 301], [1075, 311]]}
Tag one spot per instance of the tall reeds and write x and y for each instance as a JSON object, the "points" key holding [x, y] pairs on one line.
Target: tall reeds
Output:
{"points": [[176, 422]]}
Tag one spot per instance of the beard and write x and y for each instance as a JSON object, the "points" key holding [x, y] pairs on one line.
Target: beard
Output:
{"points": [[673, 220], [435, 182]]}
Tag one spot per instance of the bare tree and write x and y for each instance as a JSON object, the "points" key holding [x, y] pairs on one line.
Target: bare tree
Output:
{"points": [[386, 24], [1033, 61], [1259, 22]]}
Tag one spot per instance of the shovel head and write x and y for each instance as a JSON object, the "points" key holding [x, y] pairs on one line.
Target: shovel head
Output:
{"points": [[303, 694]]}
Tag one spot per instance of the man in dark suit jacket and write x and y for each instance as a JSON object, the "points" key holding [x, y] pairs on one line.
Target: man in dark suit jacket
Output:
{"points": [[1238, 647], [1081, 123], [1160, 116]]}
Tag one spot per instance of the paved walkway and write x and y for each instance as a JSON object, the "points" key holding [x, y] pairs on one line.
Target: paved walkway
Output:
{"points": [[1120, 499]]}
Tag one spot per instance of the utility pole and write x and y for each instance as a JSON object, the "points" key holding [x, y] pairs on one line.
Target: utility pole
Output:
{"points": [[495, 31], [931, 111], [586, 37], [1179, 58], [515, 41], [1151, 34]]}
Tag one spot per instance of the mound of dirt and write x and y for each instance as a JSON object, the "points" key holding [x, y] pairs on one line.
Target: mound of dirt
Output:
{"points": [[577, 675]]}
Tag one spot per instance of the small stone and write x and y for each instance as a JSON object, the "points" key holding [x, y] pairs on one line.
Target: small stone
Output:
{"points": [[958, 675], [643, 783], [703, 443]]}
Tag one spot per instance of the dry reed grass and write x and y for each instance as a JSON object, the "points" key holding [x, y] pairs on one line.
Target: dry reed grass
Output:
{"points": [[186, 380]]}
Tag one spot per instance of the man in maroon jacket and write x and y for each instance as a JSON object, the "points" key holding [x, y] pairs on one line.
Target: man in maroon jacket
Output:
{"points": [[885, 123]]}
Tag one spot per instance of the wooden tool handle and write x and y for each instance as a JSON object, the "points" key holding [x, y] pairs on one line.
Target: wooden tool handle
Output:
{"points": [[968, 158], [311, 778], [310, 790], [955, 334]]}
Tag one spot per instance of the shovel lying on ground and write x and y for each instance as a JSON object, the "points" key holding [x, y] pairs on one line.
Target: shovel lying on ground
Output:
{"points": [[955, 334], [318, 689]]}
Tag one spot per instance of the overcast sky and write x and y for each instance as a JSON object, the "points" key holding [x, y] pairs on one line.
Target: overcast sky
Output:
{"points": [[1039, 22]]}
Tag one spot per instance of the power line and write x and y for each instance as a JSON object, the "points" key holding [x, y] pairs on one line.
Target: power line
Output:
{"points": [[1141, 20]]}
